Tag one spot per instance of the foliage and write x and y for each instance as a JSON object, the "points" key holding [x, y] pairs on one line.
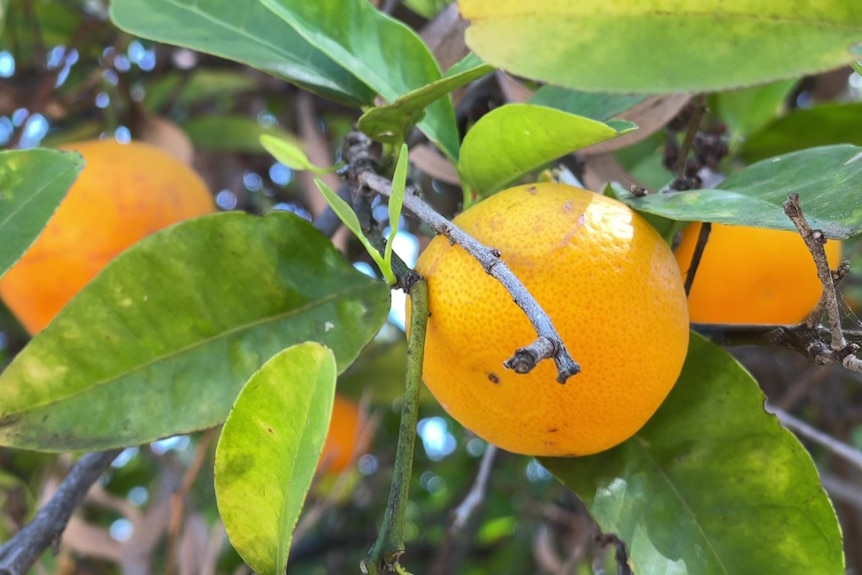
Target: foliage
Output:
{"points": [[250, 319]]}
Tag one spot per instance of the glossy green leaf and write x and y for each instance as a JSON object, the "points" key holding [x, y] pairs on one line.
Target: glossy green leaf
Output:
{"points": [[390, 123], [512, 140], [290, 153], [268, 452], [655, 46], [232, 134], [382, 52], [32, 184], [826, 179], [747, 110], [165, 336], [822, 125], [599, 106], [712, 484], [245, 32]]}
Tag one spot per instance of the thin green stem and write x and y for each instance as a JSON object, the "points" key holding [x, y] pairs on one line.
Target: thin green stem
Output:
{"points": [[389, 547]]}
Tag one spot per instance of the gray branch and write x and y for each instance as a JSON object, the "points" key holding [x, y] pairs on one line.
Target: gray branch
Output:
{"points": [[477, 492], [802, 429], [548, 344], [20, 553]]}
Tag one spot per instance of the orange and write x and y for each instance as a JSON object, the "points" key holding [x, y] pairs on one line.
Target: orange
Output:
{"points": [[342, 439], [125, 193], [752, 275], [612, 289]]}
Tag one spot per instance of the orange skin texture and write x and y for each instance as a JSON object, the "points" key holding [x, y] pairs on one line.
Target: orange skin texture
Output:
{"points": [[613, 291], [752, 275], [124, 193], [341, 439]]}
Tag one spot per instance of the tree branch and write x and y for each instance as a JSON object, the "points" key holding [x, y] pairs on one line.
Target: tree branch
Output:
{"points": [[697, 255], [19, 553], [385, 555], [815, 241], [548, 344], [802, 429], [477, 492], [812, 343]]}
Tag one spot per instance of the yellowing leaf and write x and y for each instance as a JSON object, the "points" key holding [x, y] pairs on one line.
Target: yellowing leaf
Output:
{"points": [[660, 46]]}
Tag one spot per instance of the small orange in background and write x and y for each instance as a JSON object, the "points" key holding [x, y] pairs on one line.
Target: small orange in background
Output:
{"points": [[125, 193], [346, 438], [752, 275]]}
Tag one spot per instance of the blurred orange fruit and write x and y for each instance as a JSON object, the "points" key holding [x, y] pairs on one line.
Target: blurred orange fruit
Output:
{"points": [[125, 193], [613, 291], [343, 441], [752, 275]]}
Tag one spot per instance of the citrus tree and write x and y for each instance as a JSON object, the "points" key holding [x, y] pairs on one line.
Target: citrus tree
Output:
{"points": [[620, 192]]}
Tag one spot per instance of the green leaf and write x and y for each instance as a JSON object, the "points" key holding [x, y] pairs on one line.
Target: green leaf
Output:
{"points": [[289, 153], [396, 201], [512, 140], [233, 134], [32, 184], [426, 8], [4, 9], [748, 110], [390, 123], [655, 47], [382, 52], [822, 125], [465, 64], [599, 107], [165, 336], [186, 88], [56, 23], [348, 217], [712, 483], [245, 32], [268, 452], [826, 179]]}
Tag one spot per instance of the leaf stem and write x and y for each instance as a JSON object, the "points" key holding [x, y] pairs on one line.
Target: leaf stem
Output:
{"points": [[387, 550]]}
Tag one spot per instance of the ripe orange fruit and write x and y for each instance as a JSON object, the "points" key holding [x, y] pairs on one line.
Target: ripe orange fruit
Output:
{"points": [[752, 275], [124, 193], [342, 440], [610, 285]]}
